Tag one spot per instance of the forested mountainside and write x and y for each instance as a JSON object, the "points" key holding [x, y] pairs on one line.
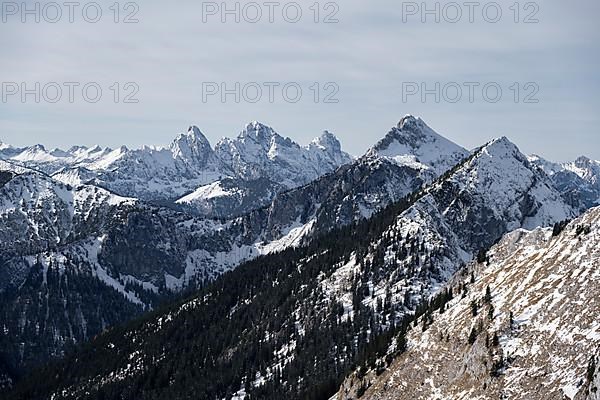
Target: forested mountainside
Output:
{"points": [[70, 250], [295, 323], [523, 323]]}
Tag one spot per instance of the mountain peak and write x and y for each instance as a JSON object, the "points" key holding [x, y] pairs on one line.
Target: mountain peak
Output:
{"points": [[327, 141], [257, 131], [75, 149], [412, 142], [328, 145], [411, 132], [583, 161], [256, 125], [4, 146], [191, 146], [195, 132], [410, 122], [59, 153], [327, 134], [502, 146], [502, 154]]}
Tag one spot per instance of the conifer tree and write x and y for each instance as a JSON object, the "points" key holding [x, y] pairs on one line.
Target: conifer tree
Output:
{"points": [[488, 295], [473, 336], [474, 308]]}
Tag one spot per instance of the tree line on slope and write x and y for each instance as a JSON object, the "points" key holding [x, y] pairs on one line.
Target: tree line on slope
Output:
{"points": [[234, 337]]}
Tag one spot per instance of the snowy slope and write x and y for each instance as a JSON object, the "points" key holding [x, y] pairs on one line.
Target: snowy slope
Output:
{"points": [[37, 212], [211, 191], [549, 285], [493, 192], [503, 175]]}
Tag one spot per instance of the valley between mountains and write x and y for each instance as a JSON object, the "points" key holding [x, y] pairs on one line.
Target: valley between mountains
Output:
{"points": [[263, 269]]}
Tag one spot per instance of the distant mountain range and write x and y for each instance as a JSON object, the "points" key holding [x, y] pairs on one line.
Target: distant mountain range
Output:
{"points": [[579, 180], [238, 175]]}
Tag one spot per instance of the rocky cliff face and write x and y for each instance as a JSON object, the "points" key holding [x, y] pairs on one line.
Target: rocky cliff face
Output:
{"points": [[591, 389]]}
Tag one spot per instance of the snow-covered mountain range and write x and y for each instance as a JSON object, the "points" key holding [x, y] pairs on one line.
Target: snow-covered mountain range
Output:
{"points": [[93, 237], [255, 166], [579, 180]]}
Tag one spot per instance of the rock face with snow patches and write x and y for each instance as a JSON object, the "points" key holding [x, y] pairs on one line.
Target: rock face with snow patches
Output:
{"points": [[525, 327]]}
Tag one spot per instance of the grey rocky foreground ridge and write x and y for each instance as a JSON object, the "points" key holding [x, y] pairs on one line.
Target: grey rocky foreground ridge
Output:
{"points": [[523, 324]]}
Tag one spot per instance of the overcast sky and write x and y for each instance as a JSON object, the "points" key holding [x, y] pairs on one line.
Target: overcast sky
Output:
{"points": [[374, 55]]}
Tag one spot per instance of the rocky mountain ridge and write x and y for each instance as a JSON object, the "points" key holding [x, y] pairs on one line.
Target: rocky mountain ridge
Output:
{"points": [[258, 160], [522, 324], [578, 181]]}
